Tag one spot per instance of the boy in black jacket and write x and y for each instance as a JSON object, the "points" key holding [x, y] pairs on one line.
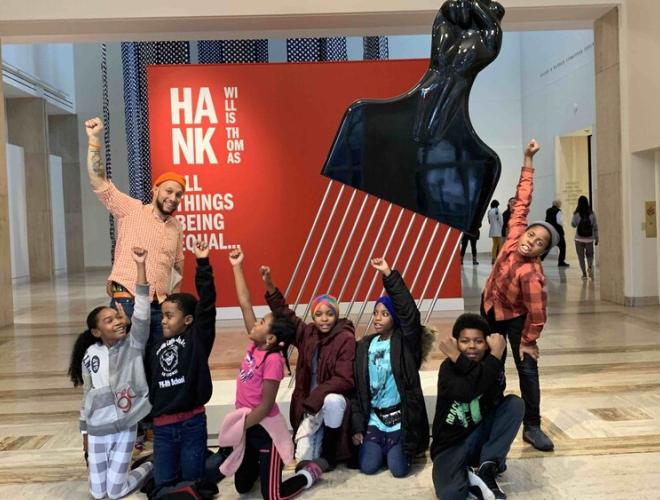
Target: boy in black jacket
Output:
{"points": [[181, 379], [474, 423]]}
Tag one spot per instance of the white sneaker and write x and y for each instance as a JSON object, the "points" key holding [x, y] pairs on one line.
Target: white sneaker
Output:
{"points": [[478, 488]]}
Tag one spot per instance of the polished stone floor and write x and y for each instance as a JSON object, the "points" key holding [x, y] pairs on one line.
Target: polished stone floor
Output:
{"points": [[600, 375]]}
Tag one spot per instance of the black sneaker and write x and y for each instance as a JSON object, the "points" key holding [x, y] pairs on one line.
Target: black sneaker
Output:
{"points": [[487, 472], [563, 264], [533, 435], [478, 488]]}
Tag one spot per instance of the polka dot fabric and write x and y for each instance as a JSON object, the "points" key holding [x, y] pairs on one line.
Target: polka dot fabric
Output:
{"points": [[232, 51], [375, 48], [316, 49], [135, 58], [106, 138]]}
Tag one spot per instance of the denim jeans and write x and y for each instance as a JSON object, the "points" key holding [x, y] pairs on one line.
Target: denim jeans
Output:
{"points": [[489, 441], [379, 447], [528, 368], [180, 451]]}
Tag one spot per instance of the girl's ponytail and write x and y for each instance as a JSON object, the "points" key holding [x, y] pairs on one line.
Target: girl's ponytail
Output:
{"points": [[285, 330], [84, 340]]}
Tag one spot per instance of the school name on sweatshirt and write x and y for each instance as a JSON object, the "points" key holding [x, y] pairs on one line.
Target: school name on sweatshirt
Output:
{"points": [[171, 382]]}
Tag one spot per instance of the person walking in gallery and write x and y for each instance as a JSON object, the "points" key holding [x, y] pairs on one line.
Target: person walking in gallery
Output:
{"points": [[108, 362], [472, 240], [389, 420], [553, 216], [506, 215], [514, 299], [495, 232], [320, 411], [586, 236]]}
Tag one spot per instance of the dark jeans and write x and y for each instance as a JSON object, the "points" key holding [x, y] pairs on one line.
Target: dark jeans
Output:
{"points": [[528, 368], [261, 461], [585, 250], [489, 441], [473, 245], [379, 447], [180, 451], [562, 250]]}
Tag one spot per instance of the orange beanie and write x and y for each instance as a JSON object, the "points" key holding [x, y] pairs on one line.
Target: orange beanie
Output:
{"points": [[171, 176]]}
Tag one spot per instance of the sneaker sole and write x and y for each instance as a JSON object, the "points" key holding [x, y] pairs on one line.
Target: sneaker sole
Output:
{"points": [[475, 480]]}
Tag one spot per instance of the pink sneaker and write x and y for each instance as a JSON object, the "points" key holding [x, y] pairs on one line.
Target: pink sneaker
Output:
{"points": [[312, 470]]}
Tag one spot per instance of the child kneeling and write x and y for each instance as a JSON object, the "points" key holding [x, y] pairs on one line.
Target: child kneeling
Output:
{"points": [[255, 439], [474, 422], [181, 379]]}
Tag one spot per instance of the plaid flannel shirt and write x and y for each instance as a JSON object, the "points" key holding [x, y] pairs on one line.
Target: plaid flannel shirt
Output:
{"points": [[516, 285]]}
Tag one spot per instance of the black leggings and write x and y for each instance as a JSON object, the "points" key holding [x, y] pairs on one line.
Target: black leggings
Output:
{"points": [[262, 461]]}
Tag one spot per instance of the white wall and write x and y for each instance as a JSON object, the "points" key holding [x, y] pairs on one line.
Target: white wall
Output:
{"points": [[643, 279], [52, 63], [17, 200], [558, 97], [89, 104], [57, 213]]}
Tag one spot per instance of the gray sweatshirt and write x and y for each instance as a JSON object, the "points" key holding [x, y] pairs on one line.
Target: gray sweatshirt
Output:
{"points": [[116, 393]]}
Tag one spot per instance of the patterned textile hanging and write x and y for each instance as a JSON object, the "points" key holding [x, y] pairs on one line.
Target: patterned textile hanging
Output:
{"points": [[316, 49], [135, 57], [106, 138], [232, 51], [375, 48]]}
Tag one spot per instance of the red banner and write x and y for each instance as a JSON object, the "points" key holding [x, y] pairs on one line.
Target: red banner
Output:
{"points": [[251, 140]]}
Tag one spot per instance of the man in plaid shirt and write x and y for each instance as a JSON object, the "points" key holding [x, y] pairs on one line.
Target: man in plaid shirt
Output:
{"points": [[514, 298]]}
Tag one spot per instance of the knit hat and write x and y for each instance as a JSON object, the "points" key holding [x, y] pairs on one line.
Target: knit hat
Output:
{"points": [[387, 302], [171, 176], [328, 300], [554, 235]]}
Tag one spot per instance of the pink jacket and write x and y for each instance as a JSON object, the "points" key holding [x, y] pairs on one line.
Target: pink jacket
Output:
{"points": [[232, 434]]}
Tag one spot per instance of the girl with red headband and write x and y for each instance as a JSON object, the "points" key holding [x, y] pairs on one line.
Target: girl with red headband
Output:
{"points": [[320, 412]]}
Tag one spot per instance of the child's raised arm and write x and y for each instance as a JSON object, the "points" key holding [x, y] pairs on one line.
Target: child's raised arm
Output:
{"points": [[141, 319], [403, 301], [205, 311], [242, 292], [523, 199]]}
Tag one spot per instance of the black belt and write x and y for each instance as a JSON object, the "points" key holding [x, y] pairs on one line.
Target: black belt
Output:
{"points": [[389, 416]]}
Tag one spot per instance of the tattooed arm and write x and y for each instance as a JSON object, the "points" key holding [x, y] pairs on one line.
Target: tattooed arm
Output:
{"points": [[95, 164]]}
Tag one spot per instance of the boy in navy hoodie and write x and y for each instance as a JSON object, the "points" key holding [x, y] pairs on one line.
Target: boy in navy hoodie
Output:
{"points": [[181, 379]]}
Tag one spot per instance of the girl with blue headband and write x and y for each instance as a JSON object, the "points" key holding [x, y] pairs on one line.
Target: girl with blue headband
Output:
{"points": [[389, 420]]}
